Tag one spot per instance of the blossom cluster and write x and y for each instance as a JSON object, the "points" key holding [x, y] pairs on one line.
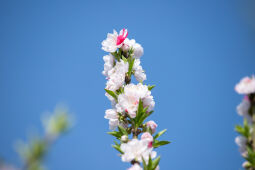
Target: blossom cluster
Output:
{"points": [[246, 109], [131, 102]]}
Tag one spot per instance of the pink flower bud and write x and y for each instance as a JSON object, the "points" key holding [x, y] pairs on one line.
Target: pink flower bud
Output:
{"points": [[147, 136], [151, 124]]}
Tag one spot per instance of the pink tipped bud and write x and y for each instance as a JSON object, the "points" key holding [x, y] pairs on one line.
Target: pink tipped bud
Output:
{"points": [[152, 125], [147, 136]]}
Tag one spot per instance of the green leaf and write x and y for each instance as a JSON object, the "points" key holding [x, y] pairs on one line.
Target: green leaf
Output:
{"points": [[117, 148], [130, 52], [144, 165], [157, 144], [122, 130], [149, 163], [150, 87], [239, 129], [243, 130], [111, 93], [251, 155], [144, 116], [124, 58], [155, 163], [116, 143], [160, 133], [116, 55], [131, 63], [139, 112], [115, 134]]}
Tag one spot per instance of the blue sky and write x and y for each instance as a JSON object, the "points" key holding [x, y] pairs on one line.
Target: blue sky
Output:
{"points": [[195, 52]]}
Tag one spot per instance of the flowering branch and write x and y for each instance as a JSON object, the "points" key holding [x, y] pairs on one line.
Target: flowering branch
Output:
{"points": [[34, 152], [131, 103], [246, 108]]}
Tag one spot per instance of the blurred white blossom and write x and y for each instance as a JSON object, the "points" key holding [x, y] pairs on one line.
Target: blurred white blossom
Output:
{"points": [[246, 86], [241, 142]]}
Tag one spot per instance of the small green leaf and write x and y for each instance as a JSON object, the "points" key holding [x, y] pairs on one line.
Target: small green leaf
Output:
{"points": [[160, 133], [239, 129], [122, 130], [155, 163], [144, 165], [131, 63], [117, 148], [139, 112], [116, 143], [150, 87], [124, 58], [111, 93], [157, 144], [149, 163], [115, 134], [130, 52], [116, 55]]}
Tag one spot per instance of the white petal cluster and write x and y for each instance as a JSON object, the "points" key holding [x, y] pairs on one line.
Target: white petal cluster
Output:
{"points": [[135, 167], [138, 49], [113, 117], [110, 43], [129, 100], [138, 71], [246, 86], [137, 149], [117, 76], [243, 108], [108, 64], [241, 142]]}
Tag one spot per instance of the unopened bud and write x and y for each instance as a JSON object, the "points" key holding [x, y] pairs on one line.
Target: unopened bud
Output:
{"points": [[124, 138]]}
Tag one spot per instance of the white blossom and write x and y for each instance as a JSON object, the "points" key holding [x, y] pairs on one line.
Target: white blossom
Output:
{"points": [[135, 167], [108, 65], [243, 108], [117, 76], [114, 41], [138, 49], [112, 115], [246, 86], [152, 125], [129, 100], [138, 71], [241, 142], [137, 149], [112, 100]]}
